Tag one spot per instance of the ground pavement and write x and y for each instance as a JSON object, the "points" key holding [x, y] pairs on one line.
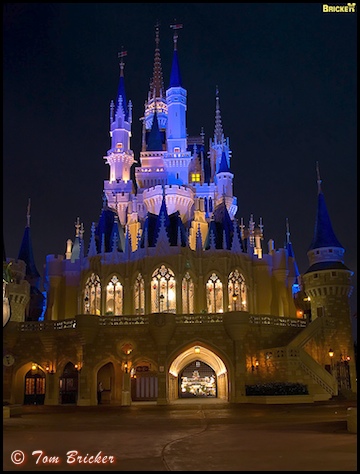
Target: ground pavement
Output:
{"points": [[192, 435]]}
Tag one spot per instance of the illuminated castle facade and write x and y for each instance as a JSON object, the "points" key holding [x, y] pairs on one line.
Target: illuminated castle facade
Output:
{"points": [[171, 279]]}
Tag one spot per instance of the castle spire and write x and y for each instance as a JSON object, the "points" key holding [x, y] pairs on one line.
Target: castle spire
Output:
{"points": [[26, 252], [121, 97], [157, 83], [28, 214], [324, 235], [175, 77], [218, 134], [318, 177], [287, 232]]}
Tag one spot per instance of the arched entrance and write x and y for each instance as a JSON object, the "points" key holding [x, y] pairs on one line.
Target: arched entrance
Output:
{"points": [[197, 380], [106, 376], [34, 386], [69, 384], [198, 371]]}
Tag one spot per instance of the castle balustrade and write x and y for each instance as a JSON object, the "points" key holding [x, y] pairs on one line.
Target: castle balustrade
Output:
{"points": [[200, 318]]}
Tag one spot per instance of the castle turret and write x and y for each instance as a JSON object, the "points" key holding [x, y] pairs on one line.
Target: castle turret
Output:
{"points": [[120, 157], [327, 282]]}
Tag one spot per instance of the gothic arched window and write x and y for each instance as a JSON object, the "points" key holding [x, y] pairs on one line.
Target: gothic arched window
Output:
{"points": [[163, 291], [114, 297], [237, 292], [214, 294], [92, 295], [187, 289], [139, 295]]}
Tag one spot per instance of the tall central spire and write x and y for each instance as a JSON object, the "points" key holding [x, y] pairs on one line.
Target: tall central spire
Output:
{"points": [[157, 83], [218, 134]]}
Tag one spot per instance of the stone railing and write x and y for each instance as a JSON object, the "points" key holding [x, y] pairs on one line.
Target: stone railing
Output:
{"points": [[277, 321], [198, 318], [318, 373], [122, 320], [47, 325]]}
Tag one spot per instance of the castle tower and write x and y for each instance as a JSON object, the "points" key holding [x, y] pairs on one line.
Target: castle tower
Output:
{"points": [[327, 282], [152, 172], [120, 157], [177, 158]]}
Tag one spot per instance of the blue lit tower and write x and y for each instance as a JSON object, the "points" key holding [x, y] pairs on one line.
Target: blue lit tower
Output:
{"points": [[177, 159], [120, 157]]}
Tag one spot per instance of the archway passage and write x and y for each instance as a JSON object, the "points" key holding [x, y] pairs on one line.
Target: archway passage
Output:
{"points": [[213, 370], [106, 375], [197, 380], [69, 384], [34, 387]]}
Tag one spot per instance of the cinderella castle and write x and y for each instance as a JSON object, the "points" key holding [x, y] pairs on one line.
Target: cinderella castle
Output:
{"points": [[173, 296]]}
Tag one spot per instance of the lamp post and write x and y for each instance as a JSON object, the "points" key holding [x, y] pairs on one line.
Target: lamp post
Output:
{"points": [[234, 298], [161, 302], [87, 304], [331, 355]]}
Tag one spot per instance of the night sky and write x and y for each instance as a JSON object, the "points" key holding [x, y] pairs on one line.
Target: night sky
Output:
{"points": [[286, 75]]}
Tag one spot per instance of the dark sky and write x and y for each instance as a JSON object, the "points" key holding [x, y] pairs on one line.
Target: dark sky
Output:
{"points": [[287, 81]]}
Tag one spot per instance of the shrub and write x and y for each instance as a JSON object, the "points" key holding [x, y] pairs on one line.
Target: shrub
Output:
{"points": [[277, 388]]}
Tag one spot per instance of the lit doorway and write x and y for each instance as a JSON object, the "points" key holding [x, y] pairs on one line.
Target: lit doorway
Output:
{"points": [[212, 379], [34, 387], [197, 380]]}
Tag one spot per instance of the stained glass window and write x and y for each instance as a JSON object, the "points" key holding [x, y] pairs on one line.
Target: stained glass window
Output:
{"points": [[114, 297], [237, 292], [139, 295], [214, 294], [92, 295], [187, 294], [163, 291]]}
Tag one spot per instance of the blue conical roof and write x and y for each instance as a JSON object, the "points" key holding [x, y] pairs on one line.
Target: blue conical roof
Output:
{"points": [[175, 76], [105, 226], [26, 254], [324, 235], [220, 224], [154, 141], [224, 168], [122, 94]]}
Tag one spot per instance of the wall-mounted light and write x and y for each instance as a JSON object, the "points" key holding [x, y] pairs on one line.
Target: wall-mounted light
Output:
{"points": [[33, 367], [348, 357], [197, 350], [256, 364], [331, 353], [234, 297]]}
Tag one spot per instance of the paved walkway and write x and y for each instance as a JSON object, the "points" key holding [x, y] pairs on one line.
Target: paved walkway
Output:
{"points": [[192, 435]]}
